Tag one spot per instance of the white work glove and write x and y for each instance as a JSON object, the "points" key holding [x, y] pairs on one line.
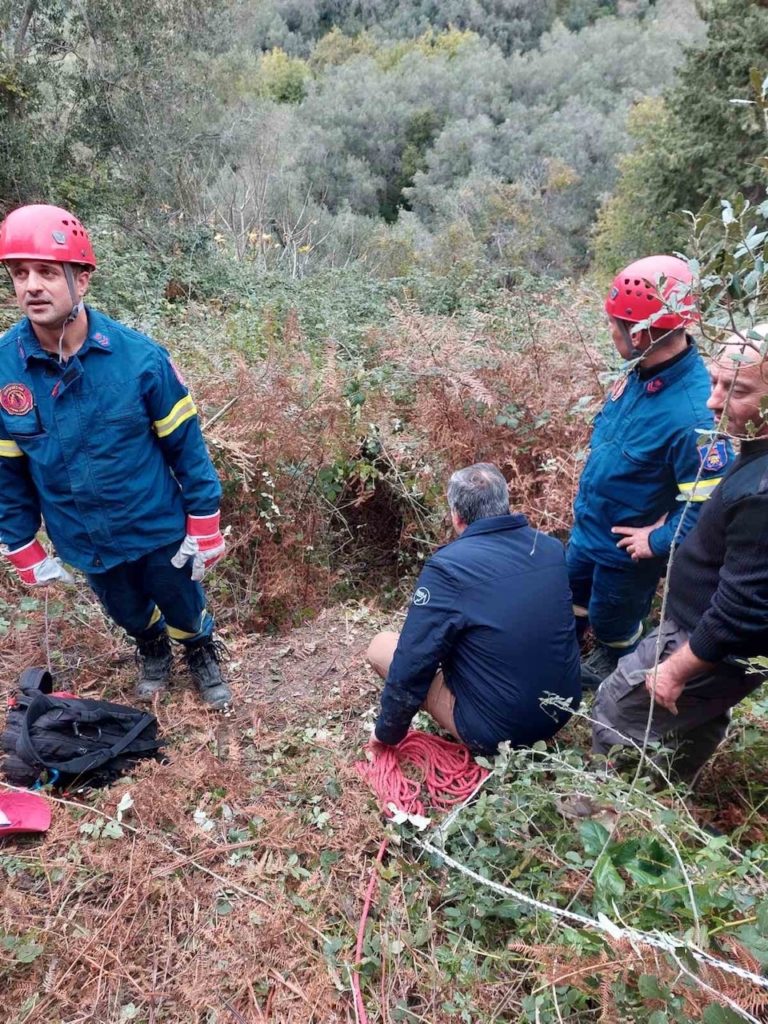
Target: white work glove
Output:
{"points": [[35, 567], [203, 545]]}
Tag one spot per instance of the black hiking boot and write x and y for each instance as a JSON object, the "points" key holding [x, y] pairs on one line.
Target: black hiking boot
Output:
{"points": [[155, 659], [599, 664], [204, 660]]}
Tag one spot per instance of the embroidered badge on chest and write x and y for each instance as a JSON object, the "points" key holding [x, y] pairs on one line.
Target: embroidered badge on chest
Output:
{"points": [[16, 399], [713, 456], [653, 387], [618, 388]]}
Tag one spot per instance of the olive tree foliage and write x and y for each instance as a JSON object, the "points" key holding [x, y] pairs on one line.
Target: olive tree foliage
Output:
{"points": [[297, 26], [512, 25], [729, 243], [141, 95], [306, 133], [102, 99], [566, 112], [385, 119], [32, 152], [702, 140]]}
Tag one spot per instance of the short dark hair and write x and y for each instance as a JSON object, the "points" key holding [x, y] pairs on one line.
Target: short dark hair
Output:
{"points": [[477, 492]]}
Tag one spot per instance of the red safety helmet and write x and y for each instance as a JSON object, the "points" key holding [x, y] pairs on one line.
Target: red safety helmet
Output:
{"points": [[42, 232], [636, 294]]}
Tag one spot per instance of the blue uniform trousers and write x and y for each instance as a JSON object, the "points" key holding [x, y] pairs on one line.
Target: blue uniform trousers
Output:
{"points": [[150, 596], [614, 600]]}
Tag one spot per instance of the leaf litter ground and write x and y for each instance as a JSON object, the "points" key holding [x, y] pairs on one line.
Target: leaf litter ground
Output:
{"points": [[231, 886]]}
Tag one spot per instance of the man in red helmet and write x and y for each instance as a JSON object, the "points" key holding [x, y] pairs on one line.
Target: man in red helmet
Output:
{"points": [[652, 460], [99, 437]]}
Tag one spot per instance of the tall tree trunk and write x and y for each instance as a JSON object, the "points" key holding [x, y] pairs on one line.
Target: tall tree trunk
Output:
{"points": [[24, 24]]}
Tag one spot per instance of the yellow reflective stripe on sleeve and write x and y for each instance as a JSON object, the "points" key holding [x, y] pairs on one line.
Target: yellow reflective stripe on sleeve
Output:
{"points": [[180, 413], [10, 450], [154, 617], [698, 490]]}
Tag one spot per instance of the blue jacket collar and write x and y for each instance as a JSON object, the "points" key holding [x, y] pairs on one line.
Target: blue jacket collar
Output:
{"points": [[492, 524], [97, 338], [672, 373]]}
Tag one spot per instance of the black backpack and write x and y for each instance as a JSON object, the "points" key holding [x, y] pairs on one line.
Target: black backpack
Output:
{"points": [[69, 742]]}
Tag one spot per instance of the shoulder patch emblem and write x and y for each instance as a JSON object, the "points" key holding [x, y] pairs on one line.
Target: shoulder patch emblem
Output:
{"points": [[618, 388], [421, 597], [16, 399], [713, 456]]}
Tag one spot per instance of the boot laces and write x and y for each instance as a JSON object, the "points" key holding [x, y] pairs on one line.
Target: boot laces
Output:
{"points": [[212, 649]]}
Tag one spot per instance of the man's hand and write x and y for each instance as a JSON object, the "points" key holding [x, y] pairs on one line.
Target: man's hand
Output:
{"points": [[635, 539], [35, 567], [672, 675], [669, 686], [203, 545]]}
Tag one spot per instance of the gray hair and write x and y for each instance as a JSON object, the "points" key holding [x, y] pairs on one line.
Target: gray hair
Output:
{"points": [[477, 492]]}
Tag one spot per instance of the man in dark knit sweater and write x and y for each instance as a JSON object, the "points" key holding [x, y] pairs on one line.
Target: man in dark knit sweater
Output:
{"points": [[717, 609]]}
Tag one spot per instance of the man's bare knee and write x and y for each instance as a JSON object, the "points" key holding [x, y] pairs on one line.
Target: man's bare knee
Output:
{"points": [[381, 651]]}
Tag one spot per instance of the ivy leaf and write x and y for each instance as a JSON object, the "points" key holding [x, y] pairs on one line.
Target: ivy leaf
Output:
{"points": [[649, 988], [27, 952], [755, 942], [608, 881], [594, 837], [716, 1013], [112, 831]]}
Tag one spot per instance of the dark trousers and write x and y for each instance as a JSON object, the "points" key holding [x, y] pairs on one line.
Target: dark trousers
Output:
{"points": [[614, 600], [150, 596], [692, 735]]}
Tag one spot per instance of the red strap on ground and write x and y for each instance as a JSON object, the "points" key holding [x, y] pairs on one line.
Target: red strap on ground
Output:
{"points": [[450, 775]]}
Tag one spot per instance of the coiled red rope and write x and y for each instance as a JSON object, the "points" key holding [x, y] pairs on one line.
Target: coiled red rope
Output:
{"points": [[450, 776]]}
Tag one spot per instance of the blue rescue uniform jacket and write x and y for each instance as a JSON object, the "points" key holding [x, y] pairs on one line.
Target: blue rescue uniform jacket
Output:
{"points": [[105, 447], [645, 456], [493, 608]]}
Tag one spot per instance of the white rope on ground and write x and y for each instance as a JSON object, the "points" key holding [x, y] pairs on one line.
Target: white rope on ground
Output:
{"points": [[47, 634], [658, 940]]}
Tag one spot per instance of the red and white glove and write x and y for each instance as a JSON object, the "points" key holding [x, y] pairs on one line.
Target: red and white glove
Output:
{"points": [[35, 567], [203, 544]]}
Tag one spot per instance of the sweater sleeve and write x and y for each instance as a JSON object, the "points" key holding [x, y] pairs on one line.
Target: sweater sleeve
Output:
{"points": [[428, 634], [736, 622], [19, 504], [176, 424]]}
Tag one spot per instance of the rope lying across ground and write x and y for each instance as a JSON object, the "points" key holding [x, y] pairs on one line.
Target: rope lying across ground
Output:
{"points": [[452, 778], [658, 940]]}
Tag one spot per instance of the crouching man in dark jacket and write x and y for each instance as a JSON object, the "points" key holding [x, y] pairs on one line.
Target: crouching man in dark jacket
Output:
{"points": [[490, 630]]}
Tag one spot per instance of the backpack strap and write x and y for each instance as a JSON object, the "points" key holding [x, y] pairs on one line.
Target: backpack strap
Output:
{"points": [[25, 746], [36, 680]]}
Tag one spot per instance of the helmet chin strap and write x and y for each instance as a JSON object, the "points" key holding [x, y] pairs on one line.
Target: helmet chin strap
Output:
{"points": [[635, 352], [77, 305]]}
